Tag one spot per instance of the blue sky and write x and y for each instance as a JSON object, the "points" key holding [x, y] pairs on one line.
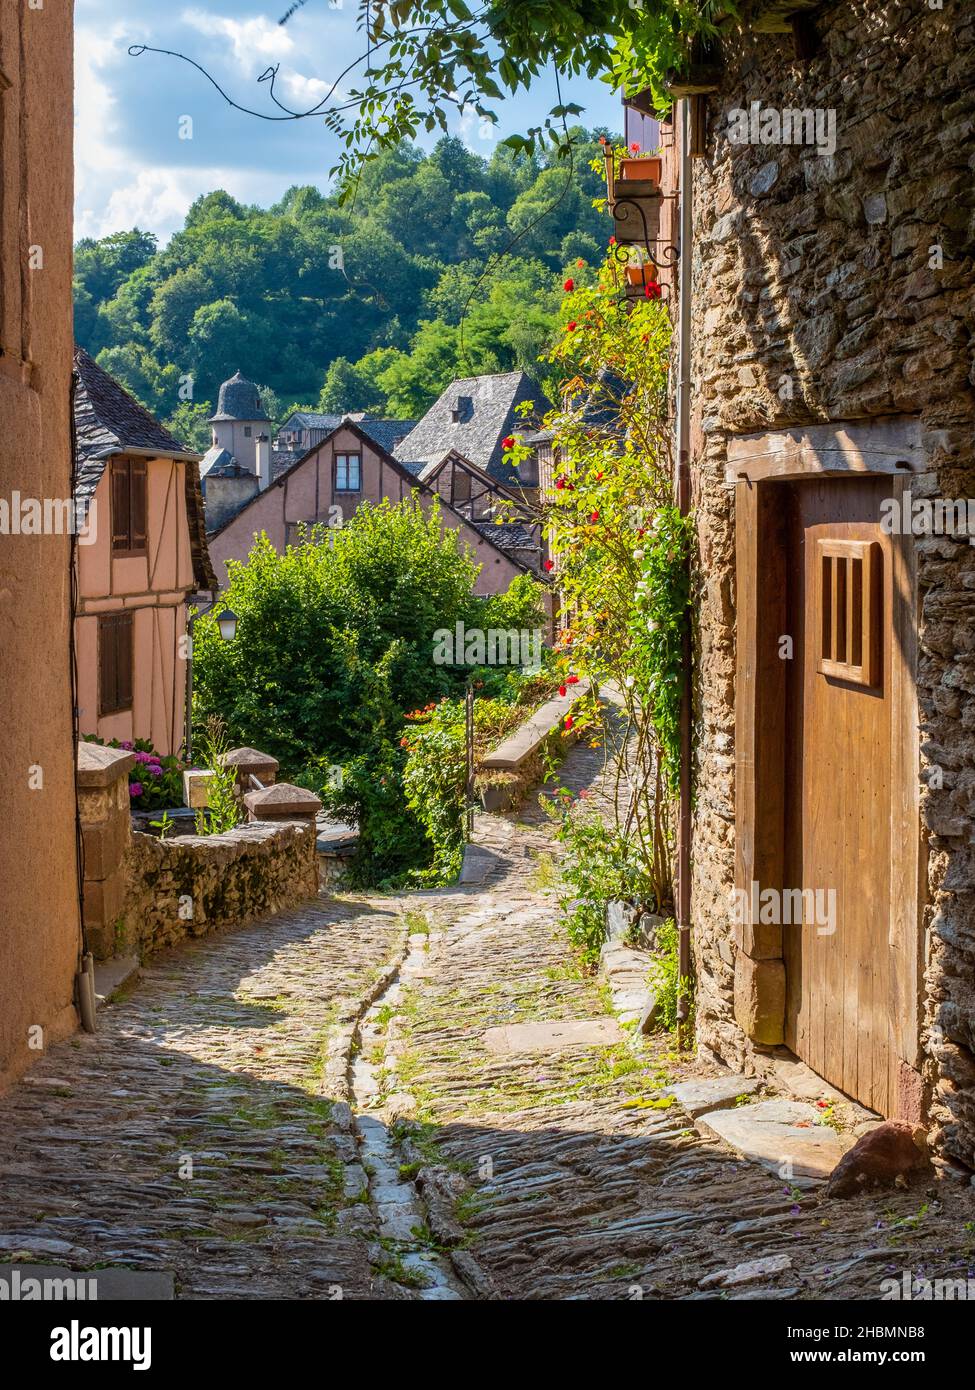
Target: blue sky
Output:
{"points": [[132, 169]]}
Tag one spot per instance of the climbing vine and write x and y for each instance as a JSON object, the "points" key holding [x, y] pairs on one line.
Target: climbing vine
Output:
{"points": [[619, 550]]}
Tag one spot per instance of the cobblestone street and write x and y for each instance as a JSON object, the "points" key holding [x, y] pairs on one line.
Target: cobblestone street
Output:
{"points": [[328, 1104]]}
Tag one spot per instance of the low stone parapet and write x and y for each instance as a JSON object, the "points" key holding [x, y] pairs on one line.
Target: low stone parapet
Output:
{"points": [[195, 884], [143, 892]]}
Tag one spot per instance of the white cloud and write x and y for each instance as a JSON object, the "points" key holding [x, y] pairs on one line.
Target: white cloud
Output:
{"points": [[257, 38]]}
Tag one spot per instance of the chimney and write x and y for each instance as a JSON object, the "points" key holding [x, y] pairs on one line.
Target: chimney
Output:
{"points": [[263, 461]]}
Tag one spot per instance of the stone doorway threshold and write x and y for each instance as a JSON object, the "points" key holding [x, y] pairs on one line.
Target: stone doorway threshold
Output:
{"points": [[111, 975], [799, 1133]]}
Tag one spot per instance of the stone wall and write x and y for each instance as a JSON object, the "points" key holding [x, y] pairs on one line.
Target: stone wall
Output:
{"points": [[102, 780], [143, 893], [833, 287], [191, 885]]}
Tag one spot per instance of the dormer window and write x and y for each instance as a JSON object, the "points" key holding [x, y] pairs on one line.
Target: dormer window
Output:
{"points": [[461, 409]]}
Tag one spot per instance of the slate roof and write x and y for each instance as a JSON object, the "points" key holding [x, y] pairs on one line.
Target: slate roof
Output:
{"points": [[311, 420], [219, 463], [507, 535], [487, 415], [239, 399], [283, 459], [386, 433], [108, 421]]}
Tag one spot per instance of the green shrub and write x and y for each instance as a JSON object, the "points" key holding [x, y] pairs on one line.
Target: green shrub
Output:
{"points": [[600, 866], [665, 982], [334, 648], [222, 809], [155, 781]]}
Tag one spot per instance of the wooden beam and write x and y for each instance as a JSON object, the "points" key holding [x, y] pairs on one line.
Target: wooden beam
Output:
{"points": [[884, 445]]}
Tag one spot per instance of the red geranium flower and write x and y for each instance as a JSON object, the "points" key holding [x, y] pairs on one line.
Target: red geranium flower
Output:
{"points": [[568, 721], [594, 517], [570, 284], [653, 290], [562, 690], [570, 326], [508, 442], [548, 564], [572, 680]]}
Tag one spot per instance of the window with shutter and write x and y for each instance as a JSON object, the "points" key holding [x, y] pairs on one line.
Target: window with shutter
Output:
{"points": [[129, 506], [115, 656]]}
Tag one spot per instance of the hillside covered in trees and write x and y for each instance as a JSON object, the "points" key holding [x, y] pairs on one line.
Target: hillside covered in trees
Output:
{"points": [[347, 307]]}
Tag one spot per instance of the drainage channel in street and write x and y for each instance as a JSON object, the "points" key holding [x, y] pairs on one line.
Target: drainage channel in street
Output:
{"points": [[398, 1203]]}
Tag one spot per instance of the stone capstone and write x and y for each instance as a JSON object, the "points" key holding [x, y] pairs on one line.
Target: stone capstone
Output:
{"points": [[282, 802]]}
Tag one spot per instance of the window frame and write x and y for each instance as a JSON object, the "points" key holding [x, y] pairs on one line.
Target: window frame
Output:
{"points": [[347, 458]]}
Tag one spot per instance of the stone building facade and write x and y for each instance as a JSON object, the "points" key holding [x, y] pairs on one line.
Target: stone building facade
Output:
{"points": [[833, 319]]}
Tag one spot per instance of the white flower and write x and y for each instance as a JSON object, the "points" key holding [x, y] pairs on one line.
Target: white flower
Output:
{"points": [[638, 554], [629, 682]]}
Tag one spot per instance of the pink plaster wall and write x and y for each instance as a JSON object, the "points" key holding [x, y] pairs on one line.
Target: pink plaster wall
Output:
{"points": [[306, 494], [155, 589]]}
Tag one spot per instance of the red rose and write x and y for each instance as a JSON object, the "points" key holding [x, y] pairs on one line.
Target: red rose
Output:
{"points": [[562, 690], [570, 284], [548, 564], [508, 442], [560, 483]]}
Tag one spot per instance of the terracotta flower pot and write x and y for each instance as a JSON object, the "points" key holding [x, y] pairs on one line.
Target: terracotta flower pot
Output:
{"points": [[645, 274], [644, 166]]}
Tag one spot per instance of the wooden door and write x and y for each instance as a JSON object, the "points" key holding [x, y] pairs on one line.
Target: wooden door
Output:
{"points": [[839, 786]]}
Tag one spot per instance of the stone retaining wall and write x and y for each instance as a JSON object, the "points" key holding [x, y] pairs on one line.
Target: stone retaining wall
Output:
{"points": [[848, 274], [143, 893], [195, 884]]}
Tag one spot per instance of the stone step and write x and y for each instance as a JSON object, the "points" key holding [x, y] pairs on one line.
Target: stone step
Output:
{"points": [[111, 975], [704, 1094], [784, 1136], [553, 1037]]}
